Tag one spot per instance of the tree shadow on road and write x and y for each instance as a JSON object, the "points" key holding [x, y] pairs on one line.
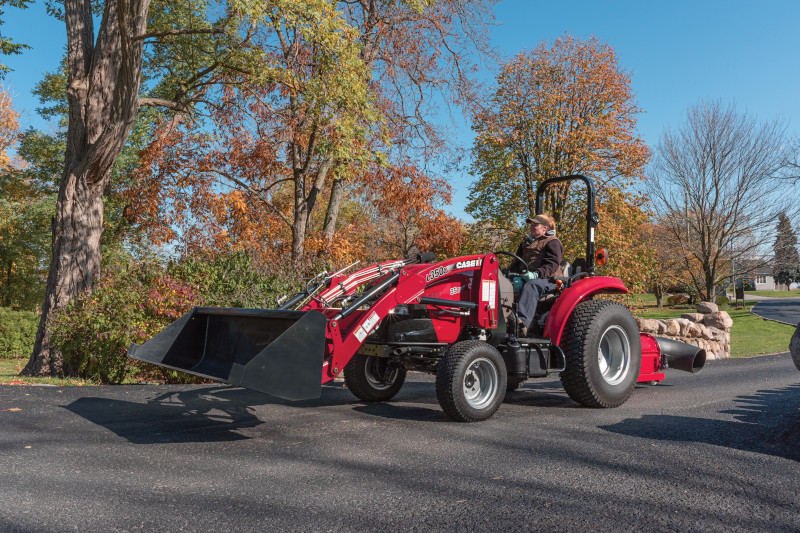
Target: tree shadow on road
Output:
{"points": [[767, 422]]}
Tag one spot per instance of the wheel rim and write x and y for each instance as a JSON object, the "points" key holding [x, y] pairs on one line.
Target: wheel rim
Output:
{"points": [[614, 355], [480, 383], [380, 375]]}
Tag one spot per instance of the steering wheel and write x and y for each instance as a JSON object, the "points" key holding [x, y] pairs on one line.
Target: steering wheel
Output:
{"points": [[515, 256]]}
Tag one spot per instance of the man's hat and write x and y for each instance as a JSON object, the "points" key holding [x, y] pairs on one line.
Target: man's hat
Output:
{"points": [[539, 220]]}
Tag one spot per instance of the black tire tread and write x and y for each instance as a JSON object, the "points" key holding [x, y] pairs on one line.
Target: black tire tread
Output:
{"points": [[448, 379], [356, 381], [575, 378]]}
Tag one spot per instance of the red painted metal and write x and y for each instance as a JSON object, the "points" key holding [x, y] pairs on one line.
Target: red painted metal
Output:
{"points": [[472, 278], [579, 291], [652, 360]]}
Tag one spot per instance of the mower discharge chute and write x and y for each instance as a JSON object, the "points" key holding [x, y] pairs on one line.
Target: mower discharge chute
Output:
{"points": [[455, 319]]}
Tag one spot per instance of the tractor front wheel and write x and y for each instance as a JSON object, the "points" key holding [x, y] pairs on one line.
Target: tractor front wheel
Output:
{"points": [[373, 379], [603, 352], [471, 381]]}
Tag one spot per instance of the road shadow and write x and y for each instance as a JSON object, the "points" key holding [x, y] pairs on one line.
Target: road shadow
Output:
{"points": [[191, 414], [767, 422], [536, 393]]}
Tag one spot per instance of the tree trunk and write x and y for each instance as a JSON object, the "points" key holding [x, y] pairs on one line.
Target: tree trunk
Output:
{"points": [[334, 205], [659, 294], [103, 90], [304, 205], [75, 264], [7, 285]]}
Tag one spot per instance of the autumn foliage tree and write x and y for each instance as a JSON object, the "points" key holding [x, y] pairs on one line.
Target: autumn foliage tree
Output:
{"points": [[333, 133], [9, 127], [177, 56], [26, 206], [562, 109]]}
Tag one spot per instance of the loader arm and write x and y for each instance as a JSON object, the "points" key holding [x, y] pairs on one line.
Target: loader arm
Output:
{"points": [[348, 327]]}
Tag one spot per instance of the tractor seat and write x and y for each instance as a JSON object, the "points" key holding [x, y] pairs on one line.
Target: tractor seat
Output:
{"points": [[565, 268], [578, 266]]}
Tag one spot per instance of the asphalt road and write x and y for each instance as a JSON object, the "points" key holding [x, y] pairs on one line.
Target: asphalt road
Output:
{"points": [[718, 451], [785, 310]]}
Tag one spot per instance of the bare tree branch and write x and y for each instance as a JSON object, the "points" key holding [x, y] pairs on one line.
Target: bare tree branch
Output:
{"points": [[716, 186]]}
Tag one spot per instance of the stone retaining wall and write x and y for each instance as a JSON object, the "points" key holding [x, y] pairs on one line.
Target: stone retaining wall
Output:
{"points": [[708, 328]]}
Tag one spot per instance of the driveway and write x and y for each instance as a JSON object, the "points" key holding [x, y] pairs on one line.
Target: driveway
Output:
{"points": [[784, 310], [716, 451]]}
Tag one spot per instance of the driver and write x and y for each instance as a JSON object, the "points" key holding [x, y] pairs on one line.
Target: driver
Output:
{"points": [[542, 252]]}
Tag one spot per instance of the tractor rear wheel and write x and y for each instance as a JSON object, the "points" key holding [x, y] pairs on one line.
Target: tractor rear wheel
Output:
{"points": [[603, 351], [471, 381], [373, 379]]}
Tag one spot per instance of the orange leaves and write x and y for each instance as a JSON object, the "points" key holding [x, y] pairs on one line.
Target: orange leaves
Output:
{"points": [[407, 204], [170, 298], [564, 108], [9, 126]]}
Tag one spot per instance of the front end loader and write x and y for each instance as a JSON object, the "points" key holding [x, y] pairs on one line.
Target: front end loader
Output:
{"points": [[454, 318]]}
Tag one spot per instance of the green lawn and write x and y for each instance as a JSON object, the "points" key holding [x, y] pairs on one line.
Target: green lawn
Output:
{"points": [[10, 369], [775, 294], [750, 334]]}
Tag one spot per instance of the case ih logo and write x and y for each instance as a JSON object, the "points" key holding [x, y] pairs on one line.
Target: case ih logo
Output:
{"points": [[468, 264], [441, 271]]}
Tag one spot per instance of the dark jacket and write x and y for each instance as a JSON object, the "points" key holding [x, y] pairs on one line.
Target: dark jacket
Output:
{"points": [[542, 255]]}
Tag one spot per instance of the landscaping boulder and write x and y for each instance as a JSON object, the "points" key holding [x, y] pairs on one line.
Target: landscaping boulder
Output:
{"points": [[794, 347], [719, 320], [683, 326], [694, 317], [673, 328], [647, 325], [707, 308], [693, 330]]}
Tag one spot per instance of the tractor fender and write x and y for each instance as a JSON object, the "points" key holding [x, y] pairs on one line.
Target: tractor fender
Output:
{"points": [[577, 292]]}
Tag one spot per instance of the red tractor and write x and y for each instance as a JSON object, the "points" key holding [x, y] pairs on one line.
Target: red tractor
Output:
{"points": [[455, 319]]}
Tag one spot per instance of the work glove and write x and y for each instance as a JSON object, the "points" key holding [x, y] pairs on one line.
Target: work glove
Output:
{"points": [[527, 276]]}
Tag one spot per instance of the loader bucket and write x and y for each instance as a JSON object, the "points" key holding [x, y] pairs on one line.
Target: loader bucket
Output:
{"points": [[275, 352]]}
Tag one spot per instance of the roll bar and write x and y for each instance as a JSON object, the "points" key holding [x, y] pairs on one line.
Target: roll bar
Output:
{"points": [[592, 217]]}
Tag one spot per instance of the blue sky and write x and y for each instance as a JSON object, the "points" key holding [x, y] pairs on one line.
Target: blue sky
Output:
{"points": [[678, 53]]}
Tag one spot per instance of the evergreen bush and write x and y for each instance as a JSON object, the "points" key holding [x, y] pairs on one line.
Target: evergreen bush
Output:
{"points": [[17, 333]]}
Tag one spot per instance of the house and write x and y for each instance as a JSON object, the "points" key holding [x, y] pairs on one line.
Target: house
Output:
{"points": [[758, 272]]}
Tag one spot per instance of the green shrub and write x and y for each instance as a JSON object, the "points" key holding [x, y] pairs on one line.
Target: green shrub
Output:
{"points": [[722, 301], [234, 279], [95, 330], [17, 333], [133, 301], [677, 299]]}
